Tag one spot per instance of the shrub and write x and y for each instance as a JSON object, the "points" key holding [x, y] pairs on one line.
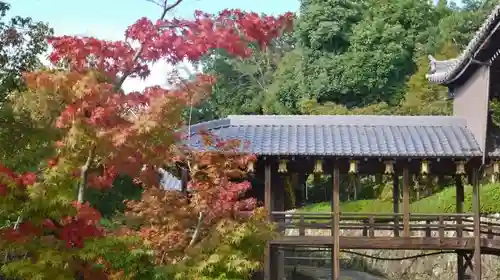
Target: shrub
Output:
{"points": [[441, 202]]}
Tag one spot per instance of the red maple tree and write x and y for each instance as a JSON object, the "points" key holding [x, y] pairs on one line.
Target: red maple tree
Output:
{"points": [[106, 132]]}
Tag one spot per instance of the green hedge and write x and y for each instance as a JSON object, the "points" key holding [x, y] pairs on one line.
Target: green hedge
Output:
{"points": [[442, 202]]}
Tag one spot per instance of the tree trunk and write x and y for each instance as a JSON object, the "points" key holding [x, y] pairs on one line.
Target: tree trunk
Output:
{"points": [[85, 175]]}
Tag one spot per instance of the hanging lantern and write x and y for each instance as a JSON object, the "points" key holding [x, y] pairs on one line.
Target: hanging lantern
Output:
{"points": [[250, 167], [460, 168], [318, 166], [495, 171], [353, 167], [425, 167], [389, 168], [282, 166]]}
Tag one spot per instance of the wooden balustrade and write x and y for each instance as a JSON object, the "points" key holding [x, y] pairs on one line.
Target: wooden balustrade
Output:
{"points": [[433, 225]]}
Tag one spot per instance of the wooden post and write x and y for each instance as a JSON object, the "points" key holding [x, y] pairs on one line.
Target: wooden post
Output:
{"points": [[459, 185], [268, 206], [395, 202], [267, 189], [292, 199], [273, 265], [184, 179], [278, 193], [280, 266], [406, 201], [336, 222], [477, 223], [459, 189]]}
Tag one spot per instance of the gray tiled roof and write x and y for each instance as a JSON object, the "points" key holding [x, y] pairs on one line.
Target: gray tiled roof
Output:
{"points": [[169, 181], [385, 136], [445, 71]]}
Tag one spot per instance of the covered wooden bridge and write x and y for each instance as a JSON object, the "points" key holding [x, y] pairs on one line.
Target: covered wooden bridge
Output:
{"points": [[395, 146], [461, 146]]}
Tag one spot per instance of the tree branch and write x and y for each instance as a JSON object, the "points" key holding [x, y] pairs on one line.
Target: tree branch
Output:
{"points": [[197, 230], [85, 174], [137, 55]]}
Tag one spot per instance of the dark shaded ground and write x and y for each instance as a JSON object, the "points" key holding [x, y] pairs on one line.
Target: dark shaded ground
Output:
{"points": [[315, 273]]}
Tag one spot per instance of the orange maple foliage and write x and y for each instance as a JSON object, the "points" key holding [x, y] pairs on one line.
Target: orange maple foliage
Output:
{"points": [[106, 132], [174, 221]]}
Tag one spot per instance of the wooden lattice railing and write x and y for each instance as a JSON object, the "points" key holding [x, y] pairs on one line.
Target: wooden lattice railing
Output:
{"points": [[369, 224]]}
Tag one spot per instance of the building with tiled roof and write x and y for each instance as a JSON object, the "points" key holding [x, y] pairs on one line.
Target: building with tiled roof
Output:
{"points": [[463, 145], [466, 134]]}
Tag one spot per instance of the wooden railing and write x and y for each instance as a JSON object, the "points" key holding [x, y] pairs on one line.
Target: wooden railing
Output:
{"points": [[372, 224]]}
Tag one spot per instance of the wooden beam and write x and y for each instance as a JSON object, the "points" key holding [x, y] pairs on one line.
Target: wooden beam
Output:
{"points": [[336, 222], [387, 243], [395, 202], [476, 207], [406, 201]]}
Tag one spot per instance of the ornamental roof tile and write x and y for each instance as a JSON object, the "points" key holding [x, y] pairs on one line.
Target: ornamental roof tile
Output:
{"points": [[445, 71]]}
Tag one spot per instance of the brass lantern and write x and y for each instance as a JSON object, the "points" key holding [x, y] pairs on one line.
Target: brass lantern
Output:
{"points": [[460, 168], [425, 168], [353, 167], [282, 166], [250, 167], [389, 168], [318, 166], [496, 170]]}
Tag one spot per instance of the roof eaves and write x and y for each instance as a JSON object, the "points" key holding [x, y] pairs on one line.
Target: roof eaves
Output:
{"points": [[455, 67]]}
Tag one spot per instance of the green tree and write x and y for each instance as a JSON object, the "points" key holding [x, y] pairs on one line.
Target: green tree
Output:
{"points": [[367, 56], [22, 41], [422, 97], [286, 91], [312, 107], [326, 25], [242, 84], [233, 251], [456, 23]]}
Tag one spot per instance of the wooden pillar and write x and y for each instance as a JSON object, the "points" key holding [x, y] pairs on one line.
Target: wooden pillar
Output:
{"points": [[336, 222], [267, 189], [406, 201], [280, 265], [459, 185], [268, 207], [459, 189], [395, 202], [278, 191], [184, 179], [292, 199], [299, 190], [477, 223]]}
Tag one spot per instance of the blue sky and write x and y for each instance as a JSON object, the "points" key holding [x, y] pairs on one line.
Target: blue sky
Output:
{"points": [[108, 19]]}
